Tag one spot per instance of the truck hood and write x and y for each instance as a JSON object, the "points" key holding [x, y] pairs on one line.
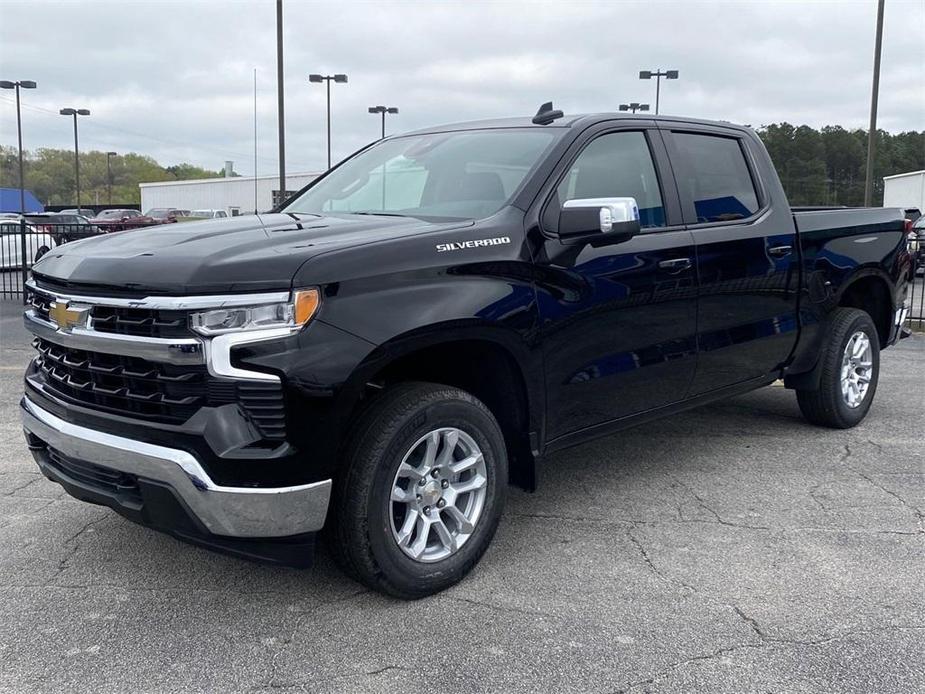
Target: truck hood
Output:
{"points": [[249, 253]]}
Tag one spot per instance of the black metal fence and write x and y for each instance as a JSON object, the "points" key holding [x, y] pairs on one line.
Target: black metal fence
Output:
{"points": [[22, 243]]}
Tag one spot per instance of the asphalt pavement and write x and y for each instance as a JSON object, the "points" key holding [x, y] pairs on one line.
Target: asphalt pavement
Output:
{"points": [[733, 548]]}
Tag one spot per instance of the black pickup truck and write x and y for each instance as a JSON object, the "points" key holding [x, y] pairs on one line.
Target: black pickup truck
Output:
{"points": [[380, 356]]}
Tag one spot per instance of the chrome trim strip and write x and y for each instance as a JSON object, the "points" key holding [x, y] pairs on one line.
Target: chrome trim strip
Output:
{"points": [[218, 353], [169, 350], [230, 511], [170, 303]]}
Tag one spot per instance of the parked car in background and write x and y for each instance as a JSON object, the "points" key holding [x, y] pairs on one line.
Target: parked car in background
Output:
{"points": [[207, 214], [917, 245], [83, 212], [166, 215], [63, 228], [121, 219], [37, 244]]}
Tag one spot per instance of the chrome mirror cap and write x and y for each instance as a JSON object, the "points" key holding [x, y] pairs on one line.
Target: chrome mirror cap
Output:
{"points": [[613, 211]]}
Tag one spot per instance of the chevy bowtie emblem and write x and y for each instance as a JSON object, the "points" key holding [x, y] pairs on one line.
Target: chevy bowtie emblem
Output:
{"points": [[66, 317]]}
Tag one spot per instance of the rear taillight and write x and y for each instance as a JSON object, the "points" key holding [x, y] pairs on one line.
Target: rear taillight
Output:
{"points": [[908, 225]]}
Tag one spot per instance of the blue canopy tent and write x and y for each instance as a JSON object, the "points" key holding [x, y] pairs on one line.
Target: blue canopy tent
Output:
{"points": [[9, 201]]}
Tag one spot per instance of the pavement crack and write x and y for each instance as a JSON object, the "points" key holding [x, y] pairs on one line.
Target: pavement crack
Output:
{"points": [[917, 512], [75, 545], [709, 509]]}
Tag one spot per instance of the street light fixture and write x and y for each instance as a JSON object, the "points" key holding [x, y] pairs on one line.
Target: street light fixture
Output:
{"points": [[383, 110], [76, 112], [21, 84], [340, 78], [658, 74], [634, 106], [109, 156]]}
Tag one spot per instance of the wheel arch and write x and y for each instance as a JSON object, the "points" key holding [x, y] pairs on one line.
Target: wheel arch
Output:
{"points": [[869, 290], [491, 363]]}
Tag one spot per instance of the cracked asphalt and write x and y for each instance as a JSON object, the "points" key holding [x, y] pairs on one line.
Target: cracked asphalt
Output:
{"points": [[733, 548]]}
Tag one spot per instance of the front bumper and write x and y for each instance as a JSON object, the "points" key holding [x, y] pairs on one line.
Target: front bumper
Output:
{"points": [[214, 511]]}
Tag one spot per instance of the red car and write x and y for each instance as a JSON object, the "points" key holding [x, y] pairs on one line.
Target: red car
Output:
{"points": [[166, 215], [121, 219]]}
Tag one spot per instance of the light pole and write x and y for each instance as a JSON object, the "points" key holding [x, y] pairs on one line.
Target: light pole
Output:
{"points": [[21, 84], [76, 112], [280, 109], [109, 156], [634, 106], [383, 110], [874, 94], [328, 78], [658, 74]]}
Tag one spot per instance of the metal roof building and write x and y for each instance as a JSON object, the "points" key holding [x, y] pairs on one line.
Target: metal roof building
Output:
{"points": [[236, 195]]}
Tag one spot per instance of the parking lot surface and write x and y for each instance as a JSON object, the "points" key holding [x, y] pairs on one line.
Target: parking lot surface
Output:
{"points": [[732, 548]]}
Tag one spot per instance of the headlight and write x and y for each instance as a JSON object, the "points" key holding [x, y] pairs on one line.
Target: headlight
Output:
{"points": [[291, 314]]}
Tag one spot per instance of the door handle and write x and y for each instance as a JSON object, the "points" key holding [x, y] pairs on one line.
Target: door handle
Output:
{"points": [[675, 265], [780, 251]]}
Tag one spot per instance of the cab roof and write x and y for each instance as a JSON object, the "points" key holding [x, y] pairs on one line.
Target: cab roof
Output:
{"points": [[580, 120]]}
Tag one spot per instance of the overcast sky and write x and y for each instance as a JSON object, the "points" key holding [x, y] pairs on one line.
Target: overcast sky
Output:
{"points": [[175, 79]]}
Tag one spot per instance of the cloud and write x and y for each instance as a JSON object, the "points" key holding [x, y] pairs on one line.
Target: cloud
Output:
{"points": [[175, 79]]}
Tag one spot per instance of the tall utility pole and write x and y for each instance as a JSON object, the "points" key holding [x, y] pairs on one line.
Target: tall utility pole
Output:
{"points": [[280, 110], [383, 110], [24, 84], [76, 112], [255, 141], [20, 84], [109, 156], [874, 95], [658, 74], [340, 78]]}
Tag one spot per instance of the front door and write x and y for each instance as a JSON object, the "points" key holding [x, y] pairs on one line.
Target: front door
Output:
{"points": [[618, 321]]}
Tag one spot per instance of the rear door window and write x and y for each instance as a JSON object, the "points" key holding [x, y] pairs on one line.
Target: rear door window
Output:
{"points": [[714, 176]]}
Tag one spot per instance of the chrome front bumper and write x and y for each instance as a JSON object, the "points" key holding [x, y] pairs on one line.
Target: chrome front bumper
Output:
{"points": [[243, 512]]}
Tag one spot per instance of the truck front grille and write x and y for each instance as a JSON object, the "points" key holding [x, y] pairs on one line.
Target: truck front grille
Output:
{"points": [[166, 393], [123, 385], [142, 322]]}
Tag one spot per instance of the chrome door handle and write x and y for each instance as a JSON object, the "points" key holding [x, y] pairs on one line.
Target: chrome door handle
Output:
{"points": [[676, 265], [780, 251]]}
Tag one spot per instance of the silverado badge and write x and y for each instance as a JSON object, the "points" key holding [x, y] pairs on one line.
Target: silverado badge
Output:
{"points": [[66, 317]]}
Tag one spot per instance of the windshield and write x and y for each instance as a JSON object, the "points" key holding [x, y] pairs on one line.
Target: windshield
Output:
{"points": [[458, 175]]}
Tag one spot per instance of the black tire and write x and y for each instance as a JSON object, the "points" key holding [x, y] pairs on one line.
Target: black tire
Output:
{"points": [[39, 253], [826, 406], [359, 531]]}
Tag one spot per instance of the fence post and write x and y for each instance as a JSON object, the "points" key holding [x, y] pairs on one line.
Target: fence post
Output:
{"points": [[23, 257]]}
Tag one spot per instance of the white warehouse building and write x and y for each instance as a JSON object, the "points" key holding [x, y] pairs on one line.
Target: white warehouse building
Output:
{"points": [[235, 195], [905, 190]]}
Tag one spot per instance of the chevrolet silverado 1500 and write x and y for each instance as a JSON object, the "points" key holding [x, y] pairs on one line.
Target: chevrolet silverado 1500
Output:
{"points": [[381, 355]]}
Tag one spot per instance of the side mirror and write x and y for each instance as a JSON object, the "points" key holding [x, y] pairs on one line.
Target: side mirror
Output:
{"points": [[613, 219]]}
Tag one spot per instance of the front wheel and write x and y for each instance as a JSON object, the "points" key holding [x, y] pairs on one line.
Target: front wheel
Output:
{"points": [[850, 370], [422, 490]]}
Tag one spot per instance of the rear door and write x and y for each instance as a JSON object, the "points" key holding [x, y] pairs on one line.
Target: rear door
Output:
{"points": [[747, 256], [618, 321]]}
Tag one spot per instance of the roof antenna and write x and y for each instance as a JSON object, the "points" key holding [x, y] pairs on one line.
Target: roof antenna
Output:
{"points": [[546, 115]]}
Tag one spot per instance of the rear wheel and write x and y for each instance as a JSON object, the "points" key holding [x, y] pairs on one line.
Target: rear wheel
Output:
{"points": [[850, 370], [422, 492]]}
